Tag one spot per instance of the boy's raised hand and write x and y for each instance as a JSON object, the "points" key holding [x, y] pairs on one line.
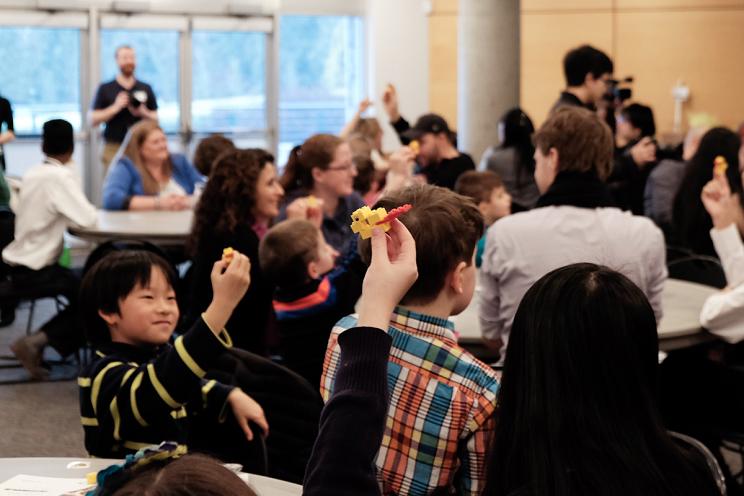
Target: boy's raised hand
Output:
{"points": [[391, 273], [230, 281], [246, 409]]}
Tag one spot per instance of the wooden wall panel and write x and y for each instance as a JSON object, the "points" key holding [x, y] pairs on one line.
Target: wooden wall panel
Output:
{"points": [[545, 40], [565, 5], [443, 66], [621, 5], [703, 48]]}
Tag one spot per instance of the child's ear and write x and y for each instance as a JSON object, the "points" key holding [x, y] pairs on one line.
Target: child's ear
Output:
{"points": [[456, 278], [312, 270], [109, 318]]}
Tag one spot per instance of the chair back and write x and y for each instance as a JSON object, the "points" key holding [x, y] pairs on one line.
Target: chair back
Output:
{"points": [[292, 407], [701, 269], [695, 445]]}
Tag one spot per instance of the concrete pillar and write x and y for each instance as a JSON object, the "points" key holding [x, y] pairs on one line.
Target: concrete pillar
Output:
{"points": [[488, 70]]}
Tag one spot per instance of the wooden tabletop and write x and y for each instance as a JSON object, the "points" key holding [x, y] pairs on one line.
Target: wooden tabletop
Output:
{"points": [[681, 301], [158, 227]]}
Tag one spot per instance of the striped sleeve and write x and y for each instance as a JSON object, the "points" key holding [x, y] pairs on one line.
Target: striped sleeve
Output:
{"points": [[126, 397]]}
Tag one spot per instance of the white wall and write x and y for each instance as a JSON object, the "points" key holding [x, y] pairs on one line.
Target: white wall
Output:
{"points": [[398, 53]]}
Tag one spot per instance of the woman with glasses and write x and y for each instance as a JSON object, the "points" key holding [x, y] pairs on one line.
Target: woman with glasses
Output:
{"points": [[320, 174]]}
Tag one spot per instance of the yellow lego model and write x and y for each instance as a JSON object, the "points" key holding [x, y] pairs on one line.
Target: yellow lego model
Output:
{"points": [[228, 254], [719, 166], [364, 219]]}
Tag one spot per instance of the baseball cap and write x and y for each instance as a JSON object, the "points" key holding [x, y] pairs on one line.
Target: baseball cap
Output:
{"points": [[427, 123]]}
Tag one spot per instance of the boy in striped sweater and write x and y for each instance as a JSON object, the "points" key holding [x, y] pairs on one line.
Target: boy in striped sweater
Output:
{"points": [[139, 390]]}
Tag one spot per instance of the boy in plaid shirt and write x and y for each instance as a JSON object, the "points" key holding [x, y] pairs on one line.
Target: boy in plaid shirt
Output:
{"points": [[440, 419]]}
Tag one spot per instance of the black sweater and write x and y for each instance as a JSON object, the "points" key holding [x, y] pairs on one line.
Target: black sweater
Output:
{"points": [[353, 421], [253, 318]]}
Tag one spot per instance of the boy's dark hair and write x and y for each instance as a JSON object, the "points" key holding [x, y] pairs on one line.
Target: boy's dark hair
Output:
{"points": [[446, 226], [208, 150], [640, 117], [583, 141], [57, 138], [478, 185], [286, 250], [585, 60], [110, 280]]}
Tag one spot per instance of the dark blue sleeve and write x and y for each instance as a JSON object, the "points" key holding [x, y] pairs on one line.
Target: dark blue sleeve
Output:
{"points": [[102, 100], [353, 421], [152, 102]]}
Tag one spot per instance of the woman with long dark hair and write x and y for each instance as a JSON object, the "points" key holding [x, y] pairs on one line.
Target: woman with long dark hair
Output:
{"points": [[238, 204], [577, 413], [513, 159], [691, 224], [322, 167]]}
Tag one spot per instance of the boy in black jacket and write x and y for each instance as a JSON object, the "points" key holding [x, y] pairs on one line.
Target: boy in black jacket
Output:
{"points": [[139, 390], [311, 295]]}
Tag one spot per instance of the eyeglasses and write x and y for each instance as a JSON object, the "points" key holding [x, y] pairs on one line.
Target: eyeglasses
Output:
{"points": [[344, 168]]}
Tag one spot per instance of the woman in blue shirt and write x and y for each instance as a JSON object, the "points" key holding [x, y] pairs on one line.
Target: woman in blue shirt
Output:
{"points": [[147, 176]]}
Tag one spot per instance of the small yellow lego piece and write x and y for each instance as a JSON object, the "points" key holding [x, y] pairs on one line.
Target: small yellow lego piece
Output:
{"points": [[312, 202], [414, 146], [364, 219], [91, 478], [719, 166], [228, 254]]}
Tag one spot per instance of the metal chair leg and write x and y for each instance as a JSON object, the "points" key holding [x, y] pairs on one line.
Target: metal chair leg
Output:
{"points": [[30, 321]]}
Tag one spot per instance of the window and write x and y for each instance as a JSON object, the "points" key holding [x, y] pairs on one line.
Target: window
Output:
{"points": [[41, 75], [229, 82], [320, 74], [157, 65]]}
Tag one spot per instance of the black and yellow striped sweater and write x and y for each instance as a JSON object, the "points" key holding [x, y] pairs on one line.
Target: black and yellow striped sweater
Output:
{"points": [[131, 397]]}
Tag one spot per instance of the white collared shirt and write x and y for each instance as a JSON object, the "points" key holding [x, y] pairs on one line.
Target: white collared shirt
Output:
{"points": [[50, 201], [523, 247], [723, 313]]}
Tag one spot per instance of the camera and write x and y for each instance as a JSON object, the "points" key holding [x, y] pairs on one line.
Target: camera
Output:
{"points": [[137, 98], [619, 89]]}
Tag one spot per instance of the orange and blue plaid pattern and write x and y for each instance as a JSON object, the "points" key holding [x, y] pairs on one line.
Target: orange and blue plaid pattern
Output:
{"points": [[440, 420]]}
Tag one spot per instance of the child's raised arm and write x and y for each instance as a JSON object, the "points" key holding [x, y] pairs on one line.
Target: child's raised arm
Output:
{"points": [[230, 281]]}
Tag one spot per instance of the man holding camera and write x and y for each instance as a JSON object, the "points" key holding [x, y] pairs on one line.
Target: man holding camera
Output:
{"points": [[121, 103]]}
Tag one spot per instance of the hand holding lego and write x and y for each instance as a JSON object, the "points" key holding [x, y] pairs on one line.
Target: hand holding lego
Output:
{"points": [[390, 102], [391, 273], [246, 409], [363, 106], [402, 161], [307, 208], [230, 281], [643, 152], [721, 204]]}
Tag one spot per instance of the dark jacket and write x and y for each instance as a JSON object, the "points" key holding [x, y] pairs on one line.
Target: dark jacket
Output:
{"points": [[253, 319]]}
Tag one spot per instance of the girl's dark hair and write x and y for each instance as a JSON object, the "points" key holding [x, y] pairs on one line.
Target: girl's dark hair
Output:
{"points": [[577, 414], [229, 196], [185, 476], [316, 151], [691, 222], [518, 131], [110, 280]]}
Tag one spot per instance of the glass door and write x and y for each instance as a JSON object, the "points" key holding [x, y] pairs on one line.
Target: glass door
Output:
{"points": [[229, 79]]}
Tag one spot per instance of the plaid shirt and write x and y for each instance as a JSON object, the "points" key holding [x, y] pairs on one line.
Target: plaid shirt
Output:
{"points": [[440, 420]]}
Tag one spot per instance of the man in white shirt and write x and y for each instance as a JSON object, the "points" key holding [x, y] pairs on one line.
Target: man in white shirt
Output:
{"points": [[51, 199], [574, 221]]}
